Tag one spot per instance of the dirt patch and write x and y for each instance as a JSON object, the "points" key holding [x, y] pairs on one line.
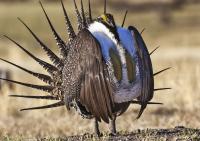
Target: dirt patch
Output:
{"points": [[175, 134]]}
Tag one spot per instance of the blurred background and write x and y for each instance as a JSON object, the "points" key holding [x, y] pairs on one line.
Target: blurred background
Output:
{"points": [[174, 25]]}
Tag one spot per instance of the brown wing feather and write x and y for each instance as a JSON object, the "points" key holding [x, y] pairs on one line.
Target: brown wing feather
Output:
{"points": [[146, 70], [95, 86], [96, 92]]}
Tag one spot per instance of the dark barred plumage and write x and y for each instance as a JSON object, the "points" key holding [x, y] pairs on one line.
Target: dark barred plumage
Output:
{"points": [[81, 77]]}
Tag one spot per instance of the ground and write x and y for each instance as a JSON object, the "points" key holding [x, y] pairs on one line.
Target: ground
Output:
{"points": [[175, 134]]}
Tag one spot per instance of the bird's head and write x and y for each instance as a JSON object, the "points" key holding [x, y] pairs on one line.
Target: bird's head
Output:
{"points": [[108, 21]]}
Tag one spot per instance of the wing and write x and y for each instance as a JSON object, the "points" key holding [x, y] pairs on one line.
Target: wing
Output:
{"points": [[88, 71], [146, 71]]}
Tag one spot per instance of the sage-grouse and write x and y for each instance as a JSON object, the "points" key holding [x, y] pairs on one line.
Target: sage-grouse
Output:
{"points": [[101, 70]]}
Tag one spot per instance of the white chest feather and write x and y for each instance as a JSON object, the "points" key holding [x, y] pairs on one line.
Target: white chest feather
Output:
{"points": [[125, 91]]}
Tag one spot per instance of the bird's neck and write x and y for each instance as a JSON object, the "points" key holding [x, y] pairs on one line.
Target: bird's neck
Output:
{"points": [[105, 38], [97, 27]]}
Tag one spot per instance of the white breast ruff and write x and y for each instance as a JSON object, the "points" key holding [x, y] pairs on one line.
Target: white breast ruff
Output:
{"points": [[125, 91], [128, 93]]}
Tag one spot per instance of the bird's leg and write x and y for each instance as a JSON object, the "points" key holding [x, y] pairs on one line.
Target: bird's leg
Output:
{"points": [[112, 126], [96, 127]]}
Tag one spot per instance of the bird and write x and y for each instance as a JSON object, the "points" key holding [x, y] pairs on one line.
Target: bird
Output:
{"points": [[100, 71]]}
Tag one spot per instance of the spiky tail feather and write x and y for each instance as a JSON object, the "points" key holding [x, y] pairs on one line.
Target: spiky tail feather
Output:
{"points": [[54, 71], [58, 104], [69, 27], [54, 58]]}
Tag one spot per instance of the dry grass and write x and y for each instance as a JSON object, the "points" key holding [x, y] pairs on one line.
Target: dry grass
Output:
{"points": [[180, 49]]}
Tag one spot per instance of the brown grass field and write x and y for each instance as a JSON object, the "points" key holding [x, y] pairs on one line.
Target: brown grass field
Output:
{"points": [[180, 49]]}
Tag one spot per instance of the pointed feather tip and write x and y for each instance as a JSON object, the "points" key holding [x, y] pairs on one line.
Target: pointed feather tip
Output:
{"points": [[53, 57], [83, 14], [162, 89], [54, 105], [79, 18], [105, 6], [48, 67], [61, 1], [141, 111], [40, 2], [42, 7], [19, 19], [162, 71], [45, 88], [143, 107], [142, 30], [22, 110], [35, 97], [154, 50], [70, 29], [90, 11], [5, 36], [148, 103], [43, 77], [139, 114], [2, 36], [123, 22], [11, 95]]}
